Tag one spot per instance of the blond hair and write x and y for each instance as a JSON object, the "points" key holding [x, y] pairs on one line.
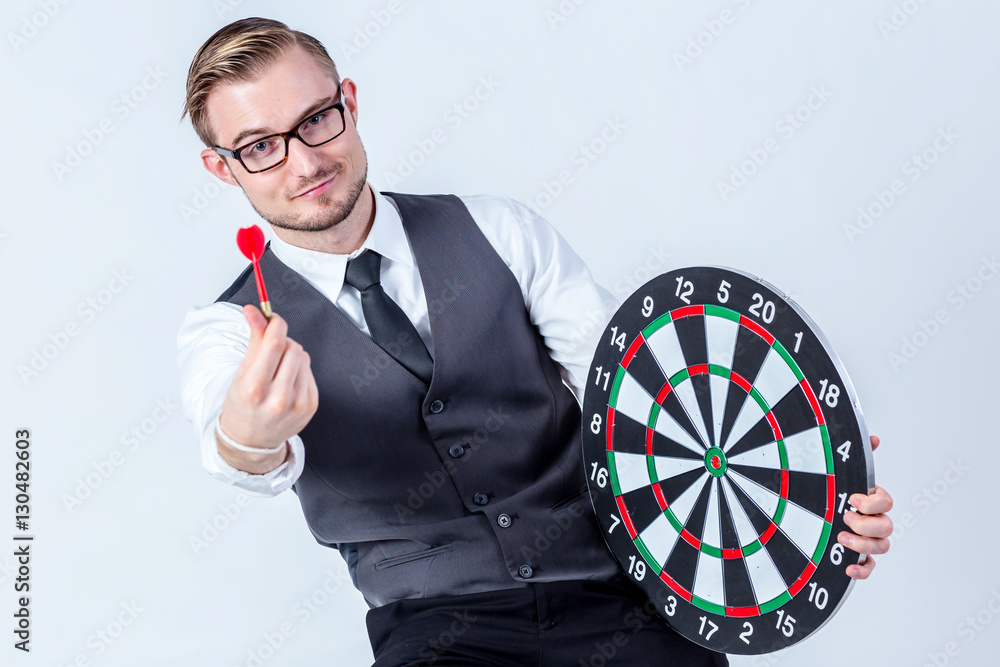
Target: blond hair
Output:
{"points": [[240, 52]]}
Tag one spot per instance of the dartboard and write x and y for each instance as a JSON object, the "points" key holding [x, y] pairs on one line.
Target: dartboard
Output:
{"points": [[722, 439]]}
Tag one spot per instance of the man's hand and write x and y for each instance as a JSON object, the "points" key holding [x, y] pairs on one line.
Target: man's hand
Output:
{"points": [[272, 397], [870, 525]]}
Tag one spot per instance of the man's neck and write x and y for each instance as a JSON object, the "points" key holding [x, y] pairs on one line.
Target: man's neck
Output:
{"points": [[344, 237]]}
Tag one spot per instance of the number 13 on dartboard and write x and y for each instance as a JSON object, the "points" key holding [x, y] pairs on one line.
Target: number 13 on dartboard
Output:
{"points": [[721, 439]]}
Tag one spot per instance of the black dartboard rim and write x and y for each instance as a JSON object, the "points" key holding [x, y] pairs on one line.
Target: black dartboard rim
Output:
{"points": [[716, 586]]}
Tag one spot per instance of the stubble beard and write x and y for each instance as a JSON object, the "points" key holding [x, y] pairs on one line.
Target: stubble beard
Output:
{"points": [[325, 219]]}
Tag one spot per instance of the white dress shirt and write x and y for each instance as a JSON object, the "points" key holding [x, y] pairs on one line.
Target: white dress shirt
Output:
{"points": [[569, 309]]}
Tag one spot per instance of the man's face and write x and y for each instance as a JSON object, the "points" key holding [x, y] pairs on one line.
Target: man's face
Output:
{"points": [[316, 187]]}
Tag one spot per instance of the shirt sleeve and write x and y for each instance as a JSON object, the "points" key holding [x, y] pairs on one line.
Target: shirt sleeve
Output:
{"points": [[211, 344], [564, 302]]}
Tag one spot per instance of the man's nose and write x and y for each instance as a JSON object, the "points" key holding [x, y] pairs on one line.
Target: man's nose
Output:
{"points": [[303, 160]]}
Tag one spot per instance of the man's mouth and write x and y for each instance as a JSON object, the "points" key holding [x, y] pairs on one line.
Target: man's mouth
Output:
{"points": [[317, 190]]}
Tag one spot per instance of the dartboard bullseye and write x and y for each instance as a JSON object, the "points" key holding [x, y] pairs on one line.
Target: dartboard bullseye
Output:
{"points": [[722, 438]]}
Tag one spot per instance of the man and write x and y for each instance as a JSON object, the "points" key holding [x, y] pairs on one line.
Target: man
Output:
{"points": [[410, 387]]}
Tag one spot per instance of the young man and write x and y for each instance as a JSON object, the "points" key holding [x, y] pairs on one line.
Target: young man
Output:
{"points": [[410, 386]]}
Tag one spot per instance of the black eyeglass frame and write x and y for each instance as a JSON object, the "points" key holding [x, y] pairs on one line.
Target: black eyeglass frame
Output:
{"points": [[287, 136]]}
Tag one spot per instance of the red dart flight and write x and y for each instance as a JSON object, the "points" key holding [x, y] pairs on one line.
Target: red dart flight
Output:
{"points": [[251, 243]]}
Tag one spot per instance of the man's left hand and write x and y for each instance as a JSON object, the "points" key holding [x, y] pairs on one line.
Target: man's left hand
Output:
{"points": [[870, 526]]}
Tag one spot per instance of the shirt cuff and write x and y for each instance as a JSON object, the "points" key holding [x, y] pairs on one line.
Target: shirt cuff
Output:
{"points": [[267, 484]]}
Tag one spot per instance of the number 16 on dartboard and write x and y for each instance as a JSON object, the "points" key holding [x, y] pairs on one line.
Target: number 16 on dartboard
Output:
{"points": [[721, 439]]}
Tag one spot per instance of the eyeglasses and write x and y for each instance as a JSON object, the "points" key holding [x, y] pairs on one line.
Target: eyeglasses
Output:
{"points": [[266, 153]]}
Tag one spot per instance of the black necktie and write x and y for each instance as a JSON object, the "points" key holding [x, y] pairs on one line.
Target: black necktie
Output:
{"points": [[385, 319]]}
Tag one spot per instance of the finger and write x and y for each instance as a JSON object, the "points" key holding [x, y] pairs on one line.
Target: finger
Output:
{"points": [[257, 323], [878, 502], [262, 362], [874, 440], [283, 387], [876, 526], [300, 390], [862, 571], [313, 391], [863, 545]]}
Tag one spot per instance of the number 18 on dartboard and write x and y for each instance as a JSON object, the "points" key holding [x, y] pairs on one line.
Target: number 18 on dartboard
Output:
{"points": [[721, 439]]}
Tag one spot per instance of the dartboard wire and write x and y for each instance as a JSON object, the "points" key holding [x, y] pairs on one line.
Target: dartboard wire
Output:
{"points": [[812, 558], [735, 507], [715, 316], [668, 515], [669, 386]]}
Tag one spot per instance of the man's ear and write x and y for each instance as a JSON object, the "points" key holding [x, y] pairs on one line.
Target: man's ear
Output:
{"points": [[217, 166], [349, 95]]}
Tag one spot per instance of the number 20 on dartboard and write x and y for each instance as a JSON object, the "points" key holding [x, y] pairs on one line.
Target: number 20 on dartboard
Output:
{"points": [[721, 440]]}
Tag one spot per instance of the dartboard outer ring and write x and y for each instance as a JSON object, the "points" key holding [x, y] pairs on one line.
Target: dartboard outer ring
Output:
{"points": [[734, 541]]}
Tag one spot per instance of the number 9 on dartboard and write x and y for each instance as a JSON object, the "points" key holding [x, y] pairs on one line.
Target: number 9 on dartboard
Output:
{"points": [[721, 440]]}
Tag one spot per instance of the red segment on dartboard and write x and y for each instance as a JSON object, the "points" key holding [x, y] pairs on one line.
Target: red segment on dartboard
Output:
{"points": [[812, 400]]}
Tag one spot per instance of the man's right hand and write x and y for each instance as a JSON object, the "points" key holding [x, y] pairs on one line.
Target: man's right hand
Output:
{"points": [[272, 397]]}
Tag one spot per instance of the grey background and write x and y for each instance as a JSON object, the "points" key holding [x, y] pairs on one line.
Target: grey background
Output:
{"points": [[140, 202]]}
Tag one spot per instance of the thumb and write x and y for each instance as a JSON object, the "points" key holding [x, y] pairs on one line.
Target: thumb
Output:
{"points": [[257, 323]]}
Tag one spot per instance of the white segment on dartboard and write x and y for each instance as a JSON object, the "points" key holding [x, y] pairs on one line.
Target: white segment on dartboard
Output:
{"points": [[685, 502], [665, 425], [719, 388], [709, 582], [633, 401], [765, 456], [721, 334], [744, 529], [802, 527], [713, 531], [775, 378], [750, 414], [632, 471], [666, 349], [764, 576], [765, 499], [659, 538], [667, 467], [689, 401], [806, 452]]}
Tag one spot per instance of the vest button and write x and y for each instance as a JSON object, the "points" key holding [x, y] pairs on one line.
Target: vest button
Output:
{"points": [[480, 499], [504, 520], [456, 451], [525, 571], [436, 406]]}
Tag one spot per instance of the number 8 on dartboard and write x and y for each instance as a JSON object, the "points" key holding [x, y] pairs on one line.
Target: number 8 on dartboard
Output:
{"points": [[721, 439]]}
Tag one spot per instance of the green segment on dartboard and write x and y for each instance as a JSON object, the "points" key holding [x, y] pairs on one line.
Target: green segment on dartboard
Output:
{"points": [[715, 462]]}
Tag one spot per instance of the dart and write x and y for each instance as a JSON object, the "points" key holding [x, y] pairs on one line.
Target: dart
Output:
{"points": [[251, 243]]}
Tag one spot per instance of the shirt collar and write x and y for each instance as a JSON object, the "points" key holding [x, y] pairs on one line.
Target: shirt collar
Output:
{"points": [[325, 270]]}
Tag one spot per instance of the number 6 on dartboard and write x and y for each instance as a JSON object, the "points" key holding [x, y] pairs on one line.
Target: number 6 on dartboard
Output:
{"points": [[718, 432]]}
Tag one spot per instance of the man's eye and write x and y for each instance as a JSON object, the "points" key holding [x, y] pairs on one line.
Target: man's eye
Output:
{"points": [[262, 147], [316, 120]]}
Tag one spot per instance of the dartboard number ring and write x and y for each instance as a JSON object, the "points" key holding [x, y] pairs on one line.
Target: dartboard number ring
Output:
{"points": [[721, 441]]}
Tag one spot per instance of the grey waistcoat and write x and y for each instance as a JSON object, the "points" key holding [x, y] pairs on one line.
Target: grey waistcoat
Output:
{"points": [[474, 483]]}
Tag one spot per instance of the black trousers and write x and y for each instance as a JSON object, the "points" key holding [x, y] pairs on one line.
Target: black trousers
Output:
{"points": [[562, 623]]}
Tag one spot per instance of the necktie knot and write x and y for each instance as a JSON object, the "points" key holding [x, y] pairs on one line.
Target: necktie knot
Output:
{"points": [[363, 270]]}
